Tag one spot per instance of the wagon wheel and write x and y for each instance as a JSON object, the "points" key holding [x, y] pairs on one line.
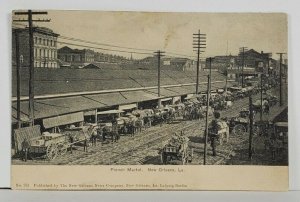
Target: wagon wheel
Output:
{"points": [[183, 159], [51, 151], [162, 158], [62, 149], [256, 130], [239, 129], [191, 155]]}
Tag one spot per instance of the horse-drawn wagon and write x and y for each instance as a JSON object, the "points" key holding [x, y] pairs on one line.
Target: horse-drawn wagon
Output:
{"points": [[51, 145], [177, 151], [239, 124]]}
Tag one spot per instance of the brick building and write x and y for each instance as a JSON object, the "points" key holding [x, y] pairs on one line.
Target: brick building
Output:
{"points": [[45, 47], [76, 57]]}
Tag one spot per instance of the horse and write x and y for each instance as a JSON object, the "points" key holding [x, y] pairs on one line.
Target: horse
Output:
{"points": [[139, 125]]}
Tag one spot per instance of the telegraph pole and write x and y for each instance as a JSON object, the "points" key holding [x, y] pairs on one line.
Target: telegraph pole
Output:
{"points": [[242, 50], [280, 78], [29, 14], [226, 81], [206, 122], [210, 59], [18, 63], [251, 127], [159, 54], [261, 96], [199, 41]]}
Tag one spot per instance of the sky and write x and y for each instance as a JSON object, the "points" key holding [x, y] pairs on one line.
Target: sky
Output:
{"points": [[172, 32]]}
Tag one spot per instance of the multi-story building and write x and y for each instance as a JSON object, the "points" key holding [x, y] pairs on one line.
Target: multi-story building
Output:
{"points": [[221, 63], [44, 44], [259, 61], [76, 57]]}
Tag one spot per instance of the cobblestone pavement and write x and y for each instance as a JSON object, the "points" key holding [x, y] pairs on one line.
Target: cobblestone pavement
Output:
{"points": [[144, 147]]}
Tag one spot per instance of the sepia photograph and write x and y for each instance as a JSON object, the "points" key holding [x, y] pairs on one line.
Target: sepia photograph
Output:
{"points": [[143, 88]]}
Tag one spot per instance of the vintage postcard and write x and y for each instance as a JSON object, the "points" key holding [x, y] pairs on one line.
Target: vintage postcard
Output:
{"points": [[149, 101]]}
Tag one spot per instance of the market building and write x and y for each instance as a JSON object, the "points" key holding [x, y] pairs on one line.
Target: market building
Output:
{"points": [[92, 91]]}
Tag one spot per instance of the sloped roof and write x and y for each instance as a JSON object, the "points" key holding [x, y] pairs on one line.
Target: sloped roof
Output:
{"points": [[54, 81]]}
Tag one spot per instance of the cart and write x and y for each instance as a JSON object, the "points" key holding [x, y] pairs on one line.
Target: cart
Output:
{"points": [[239, 125], [57, 144], [177, 151]]}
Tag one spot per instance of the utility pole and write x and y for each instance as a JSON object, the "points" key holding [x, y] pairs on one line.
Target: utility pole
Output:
{"points": [[251, 127], [159, 54], [199, 41], [226, 81], [210, 59], [261, 96], [280, 78], [269, 55], [242, 50], [206, 121], [29, 14], [18, 63]]}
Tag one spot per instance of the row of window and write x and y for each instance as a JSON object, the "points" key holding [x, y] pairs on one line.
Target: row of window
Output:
{"points": [[45, 42], [39, 52], [46, 64], [76, 58]]}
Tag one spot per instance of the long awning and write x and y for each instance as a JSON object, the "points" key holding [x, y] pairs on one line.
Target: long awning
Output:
{"points": [[114, 111], [63, 120], [89, 113], [166, 99], [128, 106], [281, 124], [52, 107]]}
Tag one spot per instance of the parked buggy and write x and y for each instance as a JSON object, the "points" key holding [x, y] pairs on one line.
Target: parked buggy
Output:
{"points": [[177, 151]]}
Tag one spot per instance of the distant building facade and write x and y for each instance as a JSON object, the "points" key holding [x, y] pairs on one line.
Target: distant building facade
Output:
{"points": [[183, 64], [44, 44], [221, 62], [108, 58], [251, 59], [75, 57]]}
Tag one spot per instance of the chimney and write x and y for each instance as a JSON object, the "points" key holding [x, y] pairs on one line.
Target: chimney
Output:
{"points": [[262, 52]]}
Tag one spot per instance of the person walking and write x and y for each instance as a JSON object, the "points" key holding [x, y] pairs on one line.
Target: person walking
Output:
{"points": [[213, 129]]}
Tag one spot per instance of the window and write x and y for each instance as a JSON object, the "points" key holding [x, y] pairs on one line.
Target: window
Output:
{"points": [[44, 53], [44, 41], [40, 52], [51, 43], [54, 43], [47, 42], [40, 41], [35, 40], [47, 53], [36, 64]]}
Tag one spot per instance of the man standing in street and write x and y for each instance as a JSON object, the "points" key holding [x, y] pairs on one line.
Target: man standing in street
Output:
{"points": [[25, 149], [213, 129]]}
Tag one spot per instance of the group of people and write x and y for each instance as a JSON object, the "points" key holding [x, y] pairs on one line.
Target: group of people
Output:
{"points": [[268, 141]]}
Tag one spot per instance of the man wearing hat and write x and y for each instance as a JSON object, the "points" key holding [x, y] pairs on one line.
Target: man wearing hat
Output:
{"points": [[213, 129]]}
